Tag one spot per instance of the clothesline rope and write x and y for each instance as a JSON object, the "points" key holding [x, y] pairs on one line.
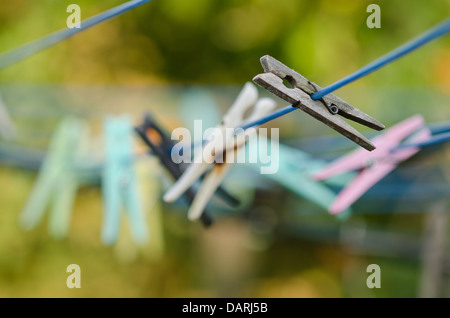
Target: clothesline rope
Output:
{"points": [[16, 55]]}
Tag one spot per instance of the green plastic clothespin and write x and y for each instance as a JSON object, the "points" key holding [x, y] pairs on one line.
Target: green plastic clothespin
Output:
{"points": [[119, 182], [57, 182], [294, 170]]}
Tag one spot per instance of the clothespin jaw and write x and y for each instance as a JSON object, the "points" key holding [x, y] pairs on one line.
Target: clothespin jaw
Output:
{"points": [[437, 135], [119, 182], [385, 143], [57, 181], [324, 110], [373, 166]]}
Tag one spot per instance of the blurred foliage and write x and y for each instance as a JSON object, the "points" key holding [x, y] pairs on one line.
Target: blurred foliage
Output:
{"points": [[220, 42], [209, 42]]}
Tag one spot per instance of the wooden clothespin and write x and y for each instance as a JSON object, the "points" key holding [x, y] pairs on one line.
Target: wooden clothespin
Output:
{"points": [[325, 109]]}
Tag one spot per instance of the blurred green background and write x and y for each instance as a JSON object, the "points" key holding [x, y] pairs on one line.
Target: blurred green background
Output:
{"points": [[144, 60]]}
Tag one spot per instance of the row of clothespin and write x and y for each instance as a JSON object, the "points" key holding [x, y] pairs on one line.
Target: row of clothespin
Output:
{"points": [[61, 174], [64, 170]]}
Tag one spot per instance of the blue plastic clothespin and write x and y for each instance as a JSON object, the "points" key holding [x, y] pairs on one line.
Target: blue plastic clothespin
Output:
{"points": [[295, 169], [57, 181], [119, 182]]}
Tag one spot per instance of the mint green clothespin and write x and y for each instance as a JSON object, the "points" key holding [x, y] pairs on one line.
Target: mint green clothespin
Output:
{"points": [[119, 182], [57, 181], [294, 170]]}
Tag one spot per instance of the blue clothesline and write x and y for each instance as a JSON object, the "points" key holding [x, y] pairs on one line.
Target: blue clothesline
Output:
{"points": [[436, 32], [16, 55], [29, 158]]}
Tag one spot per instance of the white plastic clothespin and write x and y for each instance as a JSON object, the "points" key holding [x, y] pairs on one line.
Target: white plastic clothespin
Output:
{"points": [[219, 150]]}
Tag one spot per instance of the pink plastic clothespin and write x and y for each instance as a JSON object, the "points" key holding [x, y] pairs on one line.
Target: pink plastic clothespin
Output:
{"points": [[375, 165]]}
